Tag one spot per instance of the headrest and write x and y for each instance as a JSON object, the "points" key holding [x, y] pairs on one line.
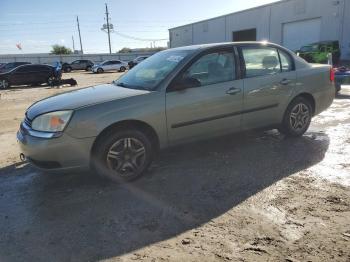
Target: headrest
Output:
{"points": [[270, 62]]}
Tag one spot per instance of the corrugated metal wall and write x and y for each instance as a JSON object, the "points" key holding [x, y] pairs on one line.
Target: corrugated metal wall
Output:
{"points": [[269, 21]]}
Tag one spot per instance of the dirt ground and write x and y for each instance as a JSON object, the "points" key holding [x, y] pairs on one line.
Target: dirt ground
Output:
{"points": [[249, 197]]}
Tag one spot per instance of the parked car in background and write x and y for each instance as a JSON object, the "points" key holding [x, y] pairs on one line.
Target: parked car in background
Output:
{"points": [[318, 52], [28, 75], [136, 61], [110, 65], [342, 77], [9, 66], [78, 65], [176, 96]]}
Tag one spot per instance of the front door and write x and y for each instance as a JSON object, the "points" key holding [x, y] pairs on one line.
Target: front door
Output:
{"points": [[22, 75], [210, 108]]}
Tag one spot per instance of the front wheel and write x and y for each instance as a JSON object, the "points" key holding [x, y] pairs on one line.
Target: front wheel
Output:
{"points": [[122, 156], [122, 69], [88, 68], [100, 70], [297, 118], [68, 69], [4, 84]]}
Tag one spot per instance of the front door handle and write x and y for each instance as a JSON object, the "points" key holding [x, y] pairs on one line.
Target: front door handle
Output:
{"points": [[285, 82], [233, 91]]}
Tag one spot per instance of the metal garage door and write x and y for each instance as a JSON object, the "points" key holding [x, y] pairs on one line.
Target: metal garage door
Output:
{"points": [[298, 34]]}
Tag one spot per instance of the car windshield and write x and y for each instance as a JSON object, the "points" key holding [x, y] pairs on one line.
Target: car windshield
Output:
{"points": [[309, 48], [152, 71]]}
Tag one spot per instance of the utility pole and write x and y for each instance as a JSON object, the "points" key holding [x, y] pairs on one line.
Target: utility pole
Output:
{"points": [[108, 30], [81, 45], [73, 44]]}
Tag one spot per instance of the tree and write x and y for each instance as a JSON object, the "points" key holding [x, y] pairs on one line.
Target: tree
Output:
{"points": [[125, 50], [147, 49], [60, 50]]}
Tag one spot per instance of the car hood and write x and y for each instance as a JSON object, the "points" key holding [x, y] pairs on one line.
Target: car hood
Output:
{"points": [[81, 98]]}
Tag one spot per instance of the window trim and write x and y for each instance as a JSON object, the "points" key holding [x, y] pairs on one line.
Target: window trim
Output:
{"points": [[257, 46], [230, 48]]}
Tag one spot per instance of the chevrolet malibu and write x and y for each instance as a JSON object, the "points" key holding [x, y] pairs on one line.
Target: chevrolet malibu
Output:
{"points": [[176, 96]]}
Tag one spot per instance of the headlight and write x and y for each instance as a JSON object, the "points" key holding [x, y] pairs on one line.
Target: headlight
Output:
{"points": [[52, 122]]}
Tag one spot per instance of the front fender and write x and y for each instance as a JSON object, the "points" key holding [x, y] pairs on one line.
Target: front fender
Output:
{"points": [[149, 109]]}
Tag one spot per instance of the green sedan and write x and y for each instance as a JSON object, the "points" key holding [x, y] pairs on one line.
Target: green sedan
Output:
{"points": [[174, 97]]}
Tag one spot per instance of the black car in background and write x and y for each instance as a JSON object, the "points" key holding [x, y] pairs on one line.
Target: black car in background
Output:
{"points": [[78, 65], [28, 75], [9, 66], [136, 61]]}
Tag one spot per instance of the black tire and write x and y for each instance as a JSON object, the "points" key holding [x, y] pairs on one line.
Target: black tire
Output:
{"points": [[110, 142], [100, 71], [88, 68], [4, 84], [68, 69], [297, 118], [122, 69], [50, 80]]}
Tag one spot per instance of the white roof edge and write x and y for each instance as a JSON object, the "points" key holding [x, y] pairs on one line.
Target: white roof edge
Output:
{"points": [[242, 11]]}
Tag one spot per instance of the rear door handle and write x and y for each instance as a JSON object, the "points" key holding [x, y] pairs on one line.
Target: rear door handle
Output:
{"points": [[233, 91], [285, 82]]}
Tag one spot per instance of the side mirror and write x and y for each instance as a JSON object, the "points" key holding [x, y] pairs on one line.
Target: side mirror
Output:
{"points": [[185, 83]]}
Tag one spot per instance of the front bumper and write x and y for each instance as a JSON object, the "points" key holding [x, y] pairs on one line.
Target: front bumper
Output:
{"points": [[55, 154]]}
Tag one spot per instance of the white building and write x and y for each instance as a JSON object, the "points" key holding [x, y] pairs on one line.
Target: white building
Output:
{"points": [[291, 23]]}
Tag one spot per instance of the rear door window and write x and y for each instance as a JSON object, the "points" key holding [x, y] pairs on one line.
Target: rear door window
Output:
{"points": [[261, 61]]}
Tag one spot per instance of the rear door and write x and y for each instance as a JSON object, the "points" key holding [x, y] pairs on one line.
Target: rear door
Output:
{"points": [[117, 64], [210, 109], [41, 73], [269, 82]]}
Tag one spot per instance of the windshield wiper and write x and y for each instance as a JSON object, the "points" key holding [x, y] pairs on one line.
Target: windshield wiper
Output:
{"points": [[119, 84]]}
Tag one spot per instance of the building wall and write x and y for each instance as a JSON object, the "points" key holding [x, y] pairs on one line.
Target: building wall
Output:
{"points": [[269, 21], [346, 30]]}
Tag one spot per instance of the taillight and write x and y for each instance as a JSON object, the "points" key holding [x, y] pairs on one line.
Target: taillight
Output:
{"points": [[332, 75]]}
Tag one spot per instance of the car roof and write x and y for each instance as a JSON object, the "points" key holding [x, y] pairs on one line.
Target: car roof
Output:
{"points": [[225, 44]]}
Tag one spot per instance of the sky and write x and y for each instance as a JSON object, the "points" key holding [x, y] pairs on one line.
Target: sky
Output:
{"points": [[38, 24]]}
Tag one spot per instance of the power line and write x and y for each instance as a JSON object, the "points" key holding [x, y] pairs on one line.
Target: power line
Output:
{"points": [[138, 38]]}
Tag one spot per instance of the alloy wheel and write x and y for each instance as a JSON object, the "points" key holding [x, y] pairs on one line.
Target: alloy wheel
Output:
{"points": [[4, 84], [50, 80], [299, 117], [126, 157]]}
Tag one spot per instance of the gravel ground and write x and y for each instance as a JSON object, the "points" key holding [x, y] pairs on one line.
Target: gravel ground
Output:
{"points": [[249, 197]]}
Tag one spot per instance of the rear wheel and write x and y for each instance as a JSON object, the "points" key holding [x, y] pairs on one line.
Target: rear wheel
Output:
{"points": [[50, 80], [297, 118], [4, 84], [123, 155]]}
